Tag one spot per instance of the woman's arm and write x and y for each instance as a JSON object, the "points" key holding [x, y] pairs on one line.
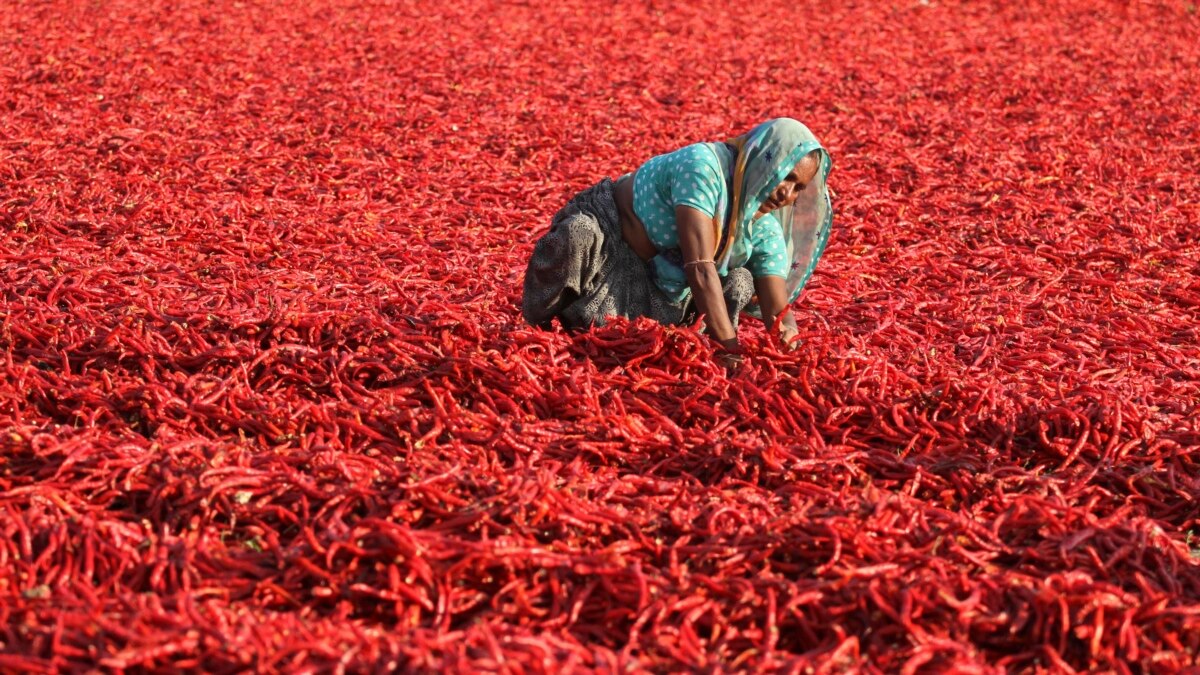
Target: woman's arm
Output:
{"points": [[772, 301], [696, 239]]}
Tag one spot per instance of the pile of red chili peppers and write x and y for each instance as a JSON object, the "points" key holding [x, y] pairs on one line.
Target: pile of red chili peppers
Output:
{"points": [[267, 401]]}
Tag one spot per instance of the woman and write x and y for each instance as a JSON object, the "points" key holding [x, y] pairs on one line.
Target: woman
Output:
{"points": [[702, 229]]}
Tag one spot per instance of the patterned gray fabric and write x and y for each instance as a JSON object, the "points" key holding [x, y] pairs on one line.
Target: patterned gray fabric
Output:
{"points": [[738, 289], [582, 271]]}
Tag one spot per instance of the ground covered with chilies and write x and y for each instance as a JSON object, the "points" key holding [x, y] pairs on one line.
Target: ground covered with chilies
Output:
{"points": [[268, 402]]}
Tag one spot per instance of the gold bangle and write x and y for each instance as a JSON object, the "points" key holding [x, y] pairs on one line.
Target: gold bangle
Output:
{"points": [[698, 262]]}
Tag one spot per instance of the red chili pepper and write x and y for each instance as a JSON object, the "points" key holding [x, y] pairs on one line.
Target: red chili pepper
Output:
{"points": [[269, 402]]}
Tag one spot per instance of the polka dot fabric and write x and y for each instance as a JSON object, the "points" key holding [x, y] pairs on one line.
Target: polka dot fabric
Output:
{"points": [[768, 254], [692, 176]]}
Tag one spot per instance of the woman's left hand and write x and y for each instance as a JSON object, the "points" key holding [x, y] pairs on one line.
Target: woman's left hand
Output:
{"points": [[789, 337], [772, 302]]}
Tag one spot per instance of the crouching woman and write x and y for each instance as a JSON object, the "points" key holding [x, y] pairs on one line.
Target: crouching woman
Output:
{"points": [[713, 228]]}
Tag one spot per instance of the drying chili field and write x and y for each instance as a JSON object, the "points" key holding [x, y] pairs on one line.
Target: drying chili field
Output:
{"points": [[268, 402]]}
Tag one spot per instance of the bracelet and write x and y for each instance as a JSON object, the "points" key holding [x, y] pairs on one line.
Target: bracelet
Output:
{"points": [[698, 262]]}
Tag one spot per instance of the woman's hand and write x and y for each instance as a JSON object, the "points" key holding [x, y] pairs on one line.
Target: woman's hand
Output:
{"points": [[772, 301], [789, 337], [729, 354]]}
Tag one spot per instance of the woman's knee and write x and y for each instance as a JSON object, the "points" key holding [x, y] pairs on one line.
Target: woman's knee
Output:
{"points": [[738, 286]]}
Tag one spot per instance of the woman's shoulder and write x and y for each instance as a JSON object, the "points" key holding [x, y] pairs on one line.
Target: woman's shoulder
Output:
{"points": [[694, 164], [697, 151], [694, 158]]}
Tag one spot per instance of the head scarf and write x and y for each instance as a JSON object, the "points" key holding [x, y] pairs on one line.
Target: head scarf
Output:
{"points": [[765, 156]]}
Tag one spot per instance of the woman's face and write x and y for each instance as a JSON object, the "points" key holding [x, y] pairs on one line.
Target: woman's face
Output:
{"points": [[793, 184]]}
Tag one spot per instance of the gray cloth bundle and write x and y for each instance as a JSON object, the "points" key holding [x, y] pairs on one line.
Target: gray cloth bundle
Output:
{"points": [[582, 271]]}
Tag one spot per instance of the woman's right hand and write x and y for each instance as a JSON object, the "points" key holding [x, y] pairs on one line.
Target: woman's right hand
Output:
{"points": [[729, 354]]}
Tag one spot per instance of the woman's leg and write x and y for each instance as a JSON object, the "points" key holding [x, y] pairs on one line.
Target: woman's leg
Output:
{"points": [[738, 289], [562, 267], [583, 272]]}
